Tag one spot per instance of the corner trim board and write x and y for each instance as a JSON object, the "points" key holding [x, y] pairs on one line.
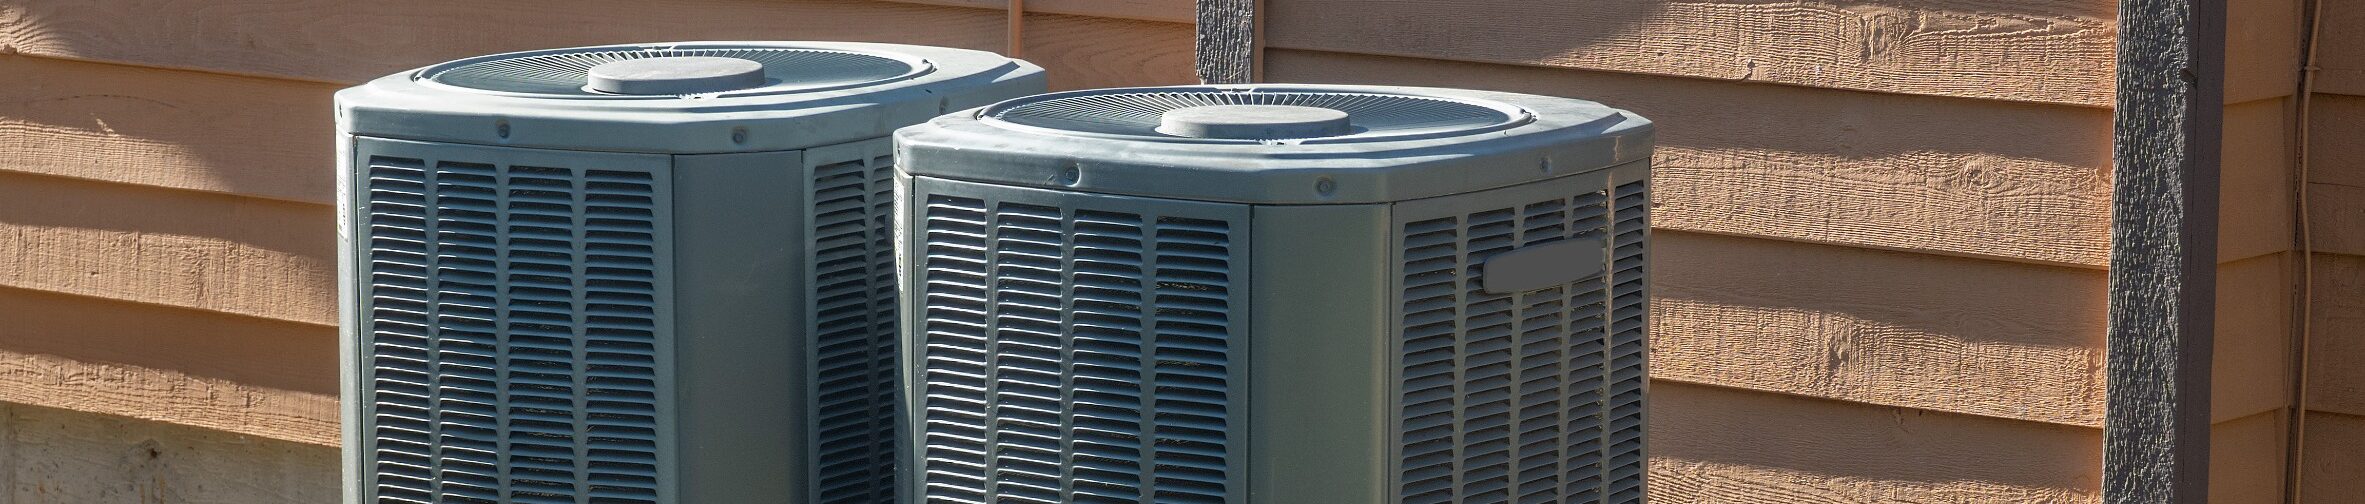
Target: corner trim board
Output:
{"points": [[1227, 42], [2166, 141]]}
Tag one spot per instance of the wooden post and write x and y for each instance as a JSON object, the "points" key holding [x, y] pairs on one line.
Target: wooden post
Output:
{"points": [[2164, 250], [1227, 41]]}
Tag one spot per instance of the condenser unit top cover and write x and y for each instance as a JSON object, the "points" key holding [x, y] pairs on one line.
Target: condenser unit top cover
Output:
{"points": [[682, 97], [1276, 144]]}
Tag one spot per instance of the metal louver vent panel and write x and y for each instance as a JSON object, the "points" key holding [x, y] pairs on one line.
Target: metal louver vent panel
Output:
{"points": [[854, 322], [1137, 113], [1079, 353], [510, 337], [564, 72], [1534, 397], [1628, 351]]}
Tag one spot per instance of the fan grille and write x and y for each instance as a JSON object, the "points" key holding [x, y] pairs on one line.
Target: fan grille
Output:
{"points": [[564, 73], [1373, 116]]}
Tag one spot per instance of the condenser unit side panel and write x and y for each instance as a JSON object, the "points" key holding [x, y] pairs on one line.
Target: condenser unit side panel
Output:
{"points": [[850, 321], [1076, 347], [1320, 396], [1630, 262], [349, 322], [1524, 386], [739, 341], [475, 266]]}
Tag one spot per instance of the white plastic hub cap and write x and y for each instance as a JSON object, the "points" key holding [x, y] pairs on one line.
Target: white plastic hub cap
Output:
{"points": [[676, 75], [1255, 122]]}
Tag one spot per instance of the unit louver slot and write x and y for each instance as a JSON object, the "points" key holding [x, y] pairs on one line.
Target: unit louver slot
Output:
{"points": [[1503, 395], [1075, 354], [853, 323], [510, 333]]}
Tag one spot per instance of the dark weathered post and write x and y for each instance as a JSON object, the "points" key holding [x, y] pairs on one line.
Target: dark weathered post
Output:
{"points": [[1227, 41], [2163, 250]]}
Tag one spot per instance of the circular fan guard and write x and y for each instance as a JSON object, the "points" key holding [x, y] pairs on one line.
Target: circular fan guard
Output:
{"points": [[563, 73], [1136, 114]]}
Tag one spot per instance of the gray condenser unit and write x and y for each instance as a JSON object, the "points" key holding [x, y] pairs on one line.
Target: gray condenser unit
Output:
{"points": [[1276, 294], [652, 273]]}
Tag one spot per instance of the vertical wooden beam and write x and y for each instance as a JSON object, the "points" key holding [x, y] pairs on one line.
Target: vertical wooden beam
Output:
{"points": [[1227, 41], [2163, 251], [1017, 20]]}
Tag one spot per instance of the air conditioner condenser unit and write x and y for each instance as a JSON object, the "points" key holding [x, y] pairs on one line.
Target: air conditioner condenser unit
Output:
{"points": [[651, 273], [1276, 294]]}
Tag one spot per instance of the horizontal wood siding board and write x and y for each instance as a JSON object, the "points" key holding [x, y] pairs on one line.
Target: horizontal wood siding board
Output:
{"points": [[2336, 218], [1712, 444], [246, 256], [54, 455], [2336, 383], [2252, 373], [266, 138], [1895, 329], [2336, 123], [1087, 52], [2020, 182], [2340, 48], [2049, 51], [2254, 203], [2246, 457], [348, 42], [243, 375], [2332, 458], [1170, 11], [1689, 482], [257, 352], [2262, 42]]}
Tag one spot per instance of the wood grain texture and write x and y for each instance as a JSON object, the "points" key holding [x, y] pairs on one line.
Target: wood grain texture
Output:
{"points": [[2334, 458], [1690, 482], [1715, 445], [2021, 182], [349, 42], [167, 395], [2254, 195], [243, 375], [1227, 41], [1886, 328], [57, 456], [2246, 459], [2252, 372], [2262, 41], [257, 352], [2167, 133], [265, 138], [190, 367], [2050, 51], [2336, 383], [1098, 53], [1171, 11], [230, 254]]}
